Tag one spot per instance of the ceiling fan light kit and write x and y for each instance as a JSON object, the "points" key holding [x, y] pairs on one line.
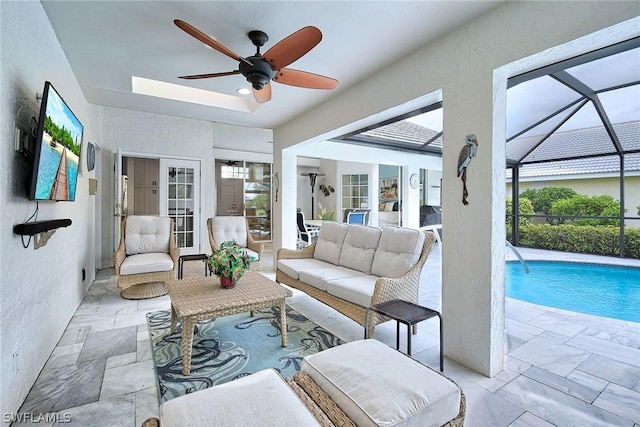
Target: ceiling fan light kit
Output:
{"points": [[260, 69]]}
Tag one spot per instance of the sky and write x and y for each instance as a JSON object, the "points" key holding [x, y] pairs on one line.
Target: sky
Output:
{"points": [[62, 115]]}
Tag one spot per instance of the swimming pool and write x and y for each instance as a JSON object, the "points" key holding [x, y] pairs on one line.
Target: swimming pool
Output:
{"points": [[598, 289]]}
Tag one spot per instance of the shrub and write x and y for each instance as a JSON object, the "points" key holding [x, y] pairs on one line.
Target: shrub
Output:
{"points": [[582, 205], [601, 240], [543, 198], [632, 242], [524, 206]]}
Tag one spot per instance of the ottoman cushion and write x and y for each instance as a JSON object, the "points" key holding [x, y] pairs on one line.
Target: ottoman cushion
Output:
{"points": [[262, 398], [377, 386]]}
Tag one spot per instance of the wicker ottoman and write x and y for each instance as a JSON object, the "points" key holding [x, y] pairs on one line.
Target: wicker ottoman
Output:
{"points": [[377, 386]]}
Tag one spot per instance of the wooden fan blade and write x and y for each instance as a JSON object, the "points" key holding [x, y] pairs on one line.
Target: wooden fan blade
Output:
{"points": [[208, 76], [305, 79], [292, 47], [208, 40], [262, 95]]}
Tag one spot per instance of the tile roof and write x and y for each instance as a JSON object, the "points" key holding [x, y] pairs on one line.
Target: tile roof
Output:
{"points": [[402, 132], [593, 165], [591, 141], [575, 143]]}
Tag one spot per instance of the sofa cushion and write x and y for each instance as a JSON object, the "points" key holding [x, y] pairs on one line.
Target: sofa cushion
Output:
{"points": [[398, 251], [377, 386], [146, 263], [330, 240], [145, 234], [226, 228], [319, 277], [262, 398], [357, 290], [359, 246], [292, 266]]}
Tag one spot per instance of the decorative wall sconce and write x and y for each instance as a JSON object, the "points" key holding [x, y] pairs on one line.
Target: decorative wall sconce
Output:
{"points": [[326, 189]]}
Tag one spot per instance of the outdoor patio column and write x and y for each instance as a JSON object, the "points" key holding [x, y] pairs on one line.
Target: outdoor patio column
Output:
{"points": [[474, 235]]}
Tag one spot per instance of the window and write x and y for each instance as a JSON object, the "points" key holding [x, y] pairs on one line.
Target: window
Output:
{"points": [[355, 191], [238, 172]]}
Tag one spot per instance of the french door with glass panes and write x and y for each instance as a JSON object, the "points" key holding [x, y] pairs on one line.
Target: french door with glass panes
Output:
{"points": [[180, 200]]}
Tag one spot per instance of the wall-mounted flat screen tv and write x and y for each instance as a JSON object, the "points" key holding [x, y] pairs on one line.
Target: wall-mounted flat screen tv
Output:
{"points": [[56, 154]]}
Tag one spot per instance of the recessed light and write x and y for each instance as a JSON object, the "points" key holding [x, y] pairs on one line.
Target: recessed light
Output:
{"points": [[243, 91]]}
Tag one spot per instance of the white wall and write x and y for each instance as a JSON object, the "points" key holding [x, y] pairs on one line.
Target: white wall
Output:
{"points": [[469, 67], [40, 289], [330, 202]]}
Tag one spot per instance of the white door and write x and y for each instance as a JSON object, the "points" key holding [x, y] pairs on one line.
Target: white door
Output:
{"points": [[180, 199]]}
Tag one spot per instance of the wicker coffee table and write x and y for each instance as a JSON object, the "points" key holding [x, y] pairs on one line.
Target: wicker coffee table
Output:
{"points": [[202, 298]]}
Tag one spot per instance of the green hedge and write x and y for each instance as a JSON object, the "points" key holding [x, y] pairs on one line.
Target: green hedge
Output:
{"points": [[581, 239]]}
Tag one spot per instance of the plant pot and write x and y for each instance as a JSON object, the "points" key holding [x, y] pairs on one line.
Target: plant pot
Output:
{"points": [[227, 282]]}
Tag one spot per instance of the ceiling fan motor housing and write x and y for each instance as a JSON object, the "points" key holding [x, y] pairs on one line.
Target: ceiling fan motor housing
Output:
{"points": [[259, 74]]}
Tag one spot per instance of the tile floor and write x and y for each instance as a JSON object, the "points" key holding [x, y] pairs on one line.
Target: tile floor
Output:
{"points": [[562, 368]]}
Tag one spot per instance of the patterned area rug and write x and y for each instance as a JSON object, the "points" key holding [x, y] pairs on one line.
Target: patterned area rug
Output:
{"points": [[230, 347]]}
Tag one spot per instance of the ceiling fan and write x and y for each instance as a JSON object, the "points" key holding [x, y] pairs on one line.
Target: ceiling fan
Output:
{"points": [[230, 162], [259, 69]]}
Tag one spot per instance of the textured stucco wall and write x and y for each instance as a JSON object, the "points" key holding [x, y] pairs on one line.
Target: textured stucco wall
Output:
{"points": [[469, 66], [40, 289]]}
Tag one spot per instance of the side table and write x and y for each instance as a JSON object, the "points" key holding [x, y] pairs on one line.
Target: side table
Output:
{"points": [[409, 314], [196, 257]]}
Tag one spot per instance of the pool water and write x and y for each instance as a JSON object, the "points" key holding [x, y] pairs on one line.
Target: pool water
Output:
{"points": [[598, 289]]}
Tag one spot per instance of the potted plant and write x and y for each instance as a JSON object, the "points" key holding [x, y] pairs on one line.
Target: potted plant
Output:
{"points": [[326, 214], [229, 263]]}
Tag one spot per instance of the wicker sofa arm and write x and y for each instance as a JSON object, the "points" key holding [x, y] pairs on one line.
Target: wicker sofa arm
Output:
{"points": [[284, 253], [406, 286]]}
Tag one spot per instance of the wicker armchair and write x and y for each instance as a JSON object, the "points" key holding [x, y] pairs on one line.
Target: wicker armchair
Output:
{"points": [[146, 257], [225, 228]]}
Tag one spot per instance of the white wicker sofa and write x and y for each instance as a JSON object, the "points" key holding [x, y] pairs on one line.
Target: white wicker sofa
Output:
{"points": [[351, 267]]}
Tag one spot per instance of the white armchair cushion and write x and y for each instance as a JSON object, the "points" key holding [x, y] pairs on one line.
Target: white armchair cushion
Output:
{"points": [[330, 240], [147, 234], [225, 228], [399, 250], [252, 254], [359, 247], [146, 263]]}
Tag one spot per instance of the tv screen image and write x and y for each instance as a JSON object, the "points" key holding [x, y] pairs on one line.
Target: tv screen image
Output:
{"points": [[56, 151]]}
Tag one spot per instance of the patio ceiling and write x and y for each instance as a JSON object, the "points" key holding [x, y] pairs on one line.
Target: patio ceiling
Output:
{"points": [[580, 108]]}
